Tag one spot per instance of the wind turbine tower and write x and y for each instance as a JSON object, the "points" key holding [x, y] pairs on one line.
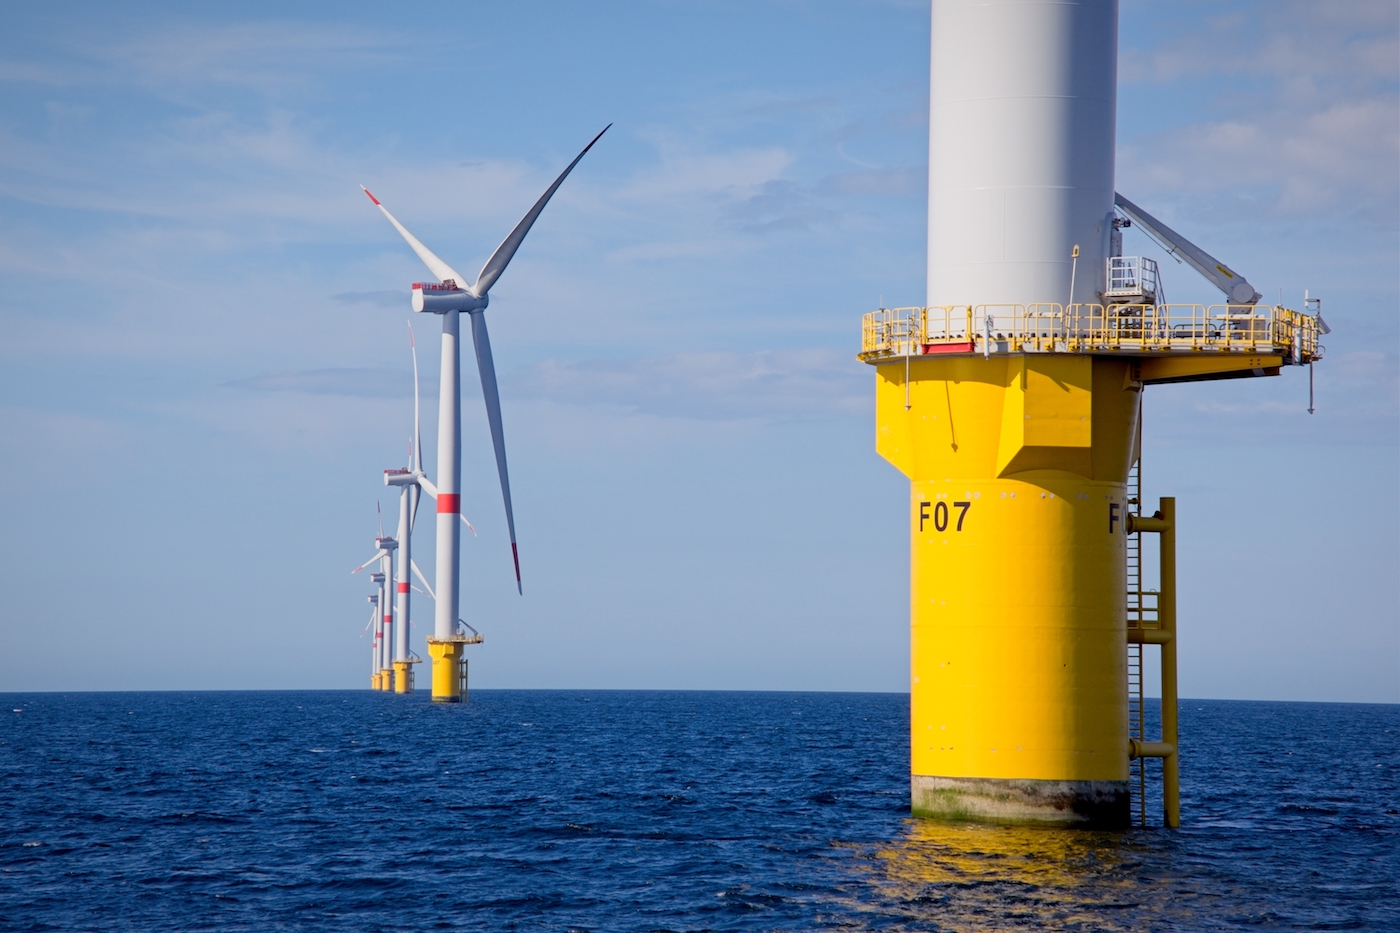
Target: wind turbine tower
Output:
{"points": [[451, 297], [1012, 402]]}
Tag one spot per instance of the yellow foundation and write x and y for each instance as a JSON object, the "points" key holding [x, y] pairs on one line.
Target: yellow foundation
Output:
{"points": [[449, 669], [1018, 468], [403, 676]]}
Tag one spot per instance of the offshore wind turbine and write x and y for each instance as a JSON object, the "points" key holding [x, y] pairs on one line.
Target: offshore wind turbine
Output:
{"points": [[378, 580], [384, 554], [410, 489], [450, 296], [386, 627], [374, 640]]}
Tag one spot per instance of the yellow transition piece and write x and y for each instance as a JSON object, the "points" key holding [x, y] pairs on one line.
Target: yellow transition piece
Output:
{"points": [[1018, 469], [449, 663], [403, 676]]}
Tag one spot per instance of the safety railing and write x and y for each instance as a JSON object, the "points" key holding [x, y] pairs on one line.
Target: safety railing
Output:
{"points": [[1090, 328]]}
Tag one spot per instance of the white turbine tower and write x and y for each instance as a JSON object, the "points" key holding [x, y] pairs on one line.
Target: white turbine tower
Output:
{"points": [[451, 296]]}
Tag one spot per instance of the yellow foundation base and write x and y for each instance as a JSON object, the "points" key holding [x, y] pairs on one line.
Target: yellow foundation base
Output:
{"points": [[449, 669], [403, 676], [1018, 618]]}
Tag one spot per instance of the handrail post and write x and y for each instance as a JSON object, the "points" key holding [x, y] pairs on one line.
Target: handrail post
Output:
{"points": [[1166, 614]]}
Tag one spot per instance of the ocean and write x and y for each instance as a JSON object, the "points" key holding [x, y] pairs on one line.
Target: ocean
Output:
{"points": [[622, 810]]}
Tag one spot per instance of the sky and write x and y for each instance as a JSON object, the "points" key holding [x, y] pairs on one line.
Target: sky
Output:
{"points": [[204, 361]]}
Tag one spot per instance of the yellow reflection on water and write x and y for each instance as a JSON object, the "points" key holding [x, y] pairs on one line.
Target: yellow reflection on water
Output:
{"points": [[956, 876]]}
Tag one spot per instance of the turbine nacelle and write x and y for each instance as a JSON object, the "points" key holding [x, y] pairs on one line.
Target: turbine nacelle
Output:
{"points": [[385, 544], [440, 298], [402, 477]]}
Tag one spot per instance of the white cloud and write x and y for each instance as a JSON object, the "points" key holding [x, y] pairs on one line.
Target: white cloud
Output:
{"points": [[1309, 125], [267, 56], [767, 385], [362, 382], [681, 173]]}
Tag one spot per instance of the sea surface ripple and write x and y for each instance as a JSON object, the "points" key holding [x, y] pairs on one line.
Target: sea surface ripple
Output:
{"points": [[618, 810]]}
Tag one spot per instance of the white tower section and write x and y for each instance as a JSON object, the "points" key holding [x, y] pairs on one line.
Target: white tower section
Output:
{"points": [[1022, 103]]}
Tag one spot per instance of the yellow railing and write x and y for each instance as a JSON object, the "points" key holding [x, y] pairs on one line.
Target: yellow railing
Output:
{"points": [[1086, 328]]}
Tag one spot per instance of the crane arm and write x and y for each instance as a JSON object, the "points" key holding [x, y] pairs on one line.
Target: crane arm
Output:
{"points": [[1237, 290]]}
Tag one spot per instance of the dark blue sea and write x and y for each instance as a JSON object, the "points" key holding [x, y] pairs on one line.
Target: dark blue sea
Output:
{"points": [[601, 810]]}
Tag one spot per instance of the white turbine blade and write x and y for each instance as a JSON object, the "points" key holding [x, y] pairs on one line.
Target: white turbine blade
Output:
{"points": [[442, 270], [413, 507], [378, 555], [427, 486], [379, 512], [417, 457], [502, 256], [417, 589], [467, 523], [492, 396], [423, 580]]}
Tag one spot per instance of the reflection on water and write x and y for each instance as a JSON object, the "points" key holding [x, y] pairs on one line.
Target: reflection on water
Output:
{"points": [[954, 876]]}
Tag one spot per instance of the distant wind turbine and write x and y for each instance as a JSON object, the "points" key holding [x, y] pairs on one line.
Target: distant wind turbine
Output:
{"points": [[384, 633], [451, 296]]}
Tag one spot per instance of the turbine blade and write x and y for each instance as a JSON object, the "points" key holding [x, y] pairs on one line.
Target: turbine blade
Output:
{"points": [[436, 266], [467, 523], [422, 579], [502, 256], [427, 486], [379, 554], [413, 507], [380, 513], [417, 422], [487, 367]]}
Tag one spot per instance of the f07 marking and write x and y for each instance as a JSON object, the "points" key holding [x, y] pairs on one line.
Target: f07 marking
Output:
{"points": [[940, 514]]}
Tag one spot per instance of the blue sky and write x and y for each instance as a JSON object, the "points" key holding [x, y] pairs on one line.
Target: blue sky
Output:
{"points": [[204, 364]]}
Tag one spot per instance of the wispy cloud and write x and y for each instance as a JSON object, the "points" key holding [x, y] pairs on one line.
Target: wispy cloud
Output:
{"points": [[397, 300], [359, 382], [768, 385], [1310, 125]]}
